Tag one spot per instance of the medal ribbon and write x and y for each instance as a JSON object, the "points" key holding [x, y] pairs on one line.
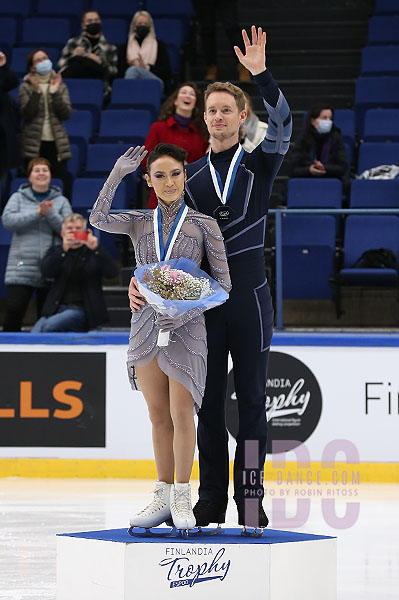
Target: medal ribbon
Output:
{"points": [[224, 193], [163, 253]]}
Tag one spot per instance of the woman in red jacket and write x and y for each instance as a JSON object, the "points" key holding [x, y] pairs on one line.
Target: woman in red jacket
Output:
{"points": [[181, 123]]}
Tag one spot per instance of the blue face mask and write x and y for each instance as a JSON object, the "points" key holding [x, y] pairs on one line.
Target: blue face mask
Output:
{"points": [[324, 126], [44, 67]]}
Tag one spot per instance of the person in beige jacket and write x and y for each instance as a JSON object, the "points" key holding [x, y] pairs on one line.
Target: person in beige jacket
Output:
{"points": [[44, 104]]}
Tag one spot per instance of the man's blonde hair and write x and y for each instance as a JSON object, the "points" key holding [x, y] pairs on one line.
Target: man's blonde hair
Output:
{"points": [[226, 86], [72, 217]]}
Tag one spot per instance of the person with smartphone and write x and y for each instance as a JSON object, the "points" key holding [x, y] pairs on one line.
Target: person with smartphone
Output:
{"points": [[75, 301]]}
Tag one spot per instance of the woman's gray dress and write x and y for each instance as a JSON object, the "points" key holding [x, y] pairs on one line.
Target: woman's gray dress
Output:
{"points": [[184, 359]]}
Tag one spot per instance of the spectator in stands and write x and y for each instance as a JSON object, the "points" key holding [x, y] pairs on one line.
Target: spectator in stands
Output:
{"points": [[253, 130], [75, 301], [44, 104], [320, 151], [144, 56], [35, 214], [8, 124], [206, 13], [90, 55], [181, 123]]}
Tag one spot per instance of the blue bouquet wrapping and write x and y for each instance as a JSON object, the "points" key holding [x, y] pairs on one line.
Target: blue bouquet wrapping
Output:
{"points": [[212, 293]]}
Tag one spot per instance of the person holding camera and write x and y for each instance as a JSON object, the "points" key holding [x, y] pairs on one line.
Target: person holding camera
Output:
{"points": [[75, 301]]}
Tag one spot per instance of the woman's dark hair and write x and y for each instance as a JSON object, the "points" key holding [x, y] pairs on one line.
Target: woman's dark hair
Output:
{"points": [[29, 58], [166, 150], [313, 113], [168, 108]]}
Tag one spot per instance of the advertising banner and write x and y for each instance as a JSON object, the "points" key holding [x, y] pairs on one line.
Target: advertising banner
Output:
{"points": [[52, 399], [76, 402]]}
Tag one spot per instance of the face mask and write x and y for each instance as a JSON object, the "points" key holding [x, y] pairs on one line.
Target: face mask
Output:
{"points": [[142, 31], [93, 28], [44, 67], [324, 126]]}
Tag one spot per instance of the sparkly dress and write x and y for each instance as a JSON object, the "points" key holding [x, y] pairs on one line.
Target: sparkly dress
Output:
{"points": [[184, 359]]}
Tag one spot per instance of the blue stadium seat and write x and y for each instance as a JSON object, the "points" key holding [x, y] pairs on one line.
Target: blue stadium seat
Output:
{"points": [[349, 154], [75, 163], [80, 124], [374, 194], [373, 154], [368, 232], [344, 118], [87, 94], [170, 31], [115, 30], [18, 60], [86, 190], [372, 93], [381, 125], [20, 8], [308, 255], [72, 10], [386, 7], [71, 7], [175, 56], [8, 31], [380, 60], [44, 31], [383, 30], [17, 181], [137, 93], [100, 160], [115, 8], [80, 129], [182, 9], [314, 193], [5, 241], [130, 126]]}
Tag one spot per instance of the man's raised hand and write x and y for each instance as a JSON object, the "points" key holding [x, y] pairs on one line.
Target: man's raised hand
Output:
{"points": [[254, 59]]}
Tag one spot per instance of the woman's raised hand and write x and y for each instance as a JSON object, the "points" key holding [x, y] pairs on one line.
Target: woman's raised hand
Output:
{"points": [[130, 161]]}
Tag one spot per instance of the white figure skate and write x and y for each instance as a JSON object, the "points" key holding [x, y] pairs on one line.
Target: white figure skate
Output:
{"points": [[180, 507], [157, 512]]}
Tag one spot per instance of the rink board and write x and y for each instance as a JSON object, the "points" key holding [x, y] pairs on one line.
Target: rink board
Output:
{"points": [[111, 565]]}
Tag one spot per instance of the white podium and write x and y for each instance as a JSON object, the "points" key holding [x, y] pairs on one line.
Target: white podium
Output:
{"points": [[112, 565]]}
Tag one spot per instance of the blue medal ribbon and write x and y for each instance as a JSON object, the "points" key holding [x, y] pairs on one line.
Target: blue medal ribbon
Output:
{"points": [[224, 192], [164, 251]]}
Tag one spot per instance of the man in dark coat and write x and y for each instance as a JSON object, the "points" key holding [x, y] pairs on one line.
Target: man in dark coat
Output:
{"points": [[75, 301]]}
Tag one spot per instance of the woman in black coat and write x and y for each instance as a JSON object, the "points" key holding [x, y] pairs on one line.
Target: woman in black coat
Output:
{"points": [[320, 151]]}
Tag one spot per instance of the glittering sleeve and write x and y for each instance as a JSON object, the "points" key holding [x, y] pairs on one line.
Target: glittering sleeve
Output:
{"points": [[216, 253], [101, 218]]}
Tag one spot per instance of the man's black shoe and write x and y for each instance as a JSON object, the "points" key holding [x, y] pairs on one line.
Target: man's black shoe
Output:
{"points": [[206, 511], [263, 521]]}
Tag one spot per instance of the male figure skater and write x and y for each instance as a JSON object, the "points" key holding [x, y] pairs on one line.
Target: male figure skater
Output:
{"points": [[234, 187]]}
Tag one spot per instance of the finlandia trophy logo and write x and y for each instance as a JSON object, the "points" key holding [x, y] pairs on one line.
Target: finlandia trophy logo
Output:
{"points": [[188, 565], [293, 401]]}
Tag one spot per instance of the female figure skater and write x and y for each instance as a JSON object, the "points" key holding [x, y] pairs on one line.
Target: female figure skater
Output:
{"points": [[172, 378]]}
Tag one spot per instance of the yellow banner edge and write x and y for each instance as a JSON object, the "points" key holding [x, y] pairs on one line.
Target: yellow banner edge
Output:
{"points": [[350, 473]]}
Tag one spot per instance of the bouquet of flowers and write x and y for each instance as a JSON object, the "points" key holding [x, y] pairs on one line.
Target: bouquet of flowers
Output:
{"points": [[175, 286]]}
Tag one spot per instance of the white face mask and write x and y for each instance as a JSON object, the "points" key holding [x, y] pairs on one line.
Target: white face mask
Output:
{"points": [[324, 125]]}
